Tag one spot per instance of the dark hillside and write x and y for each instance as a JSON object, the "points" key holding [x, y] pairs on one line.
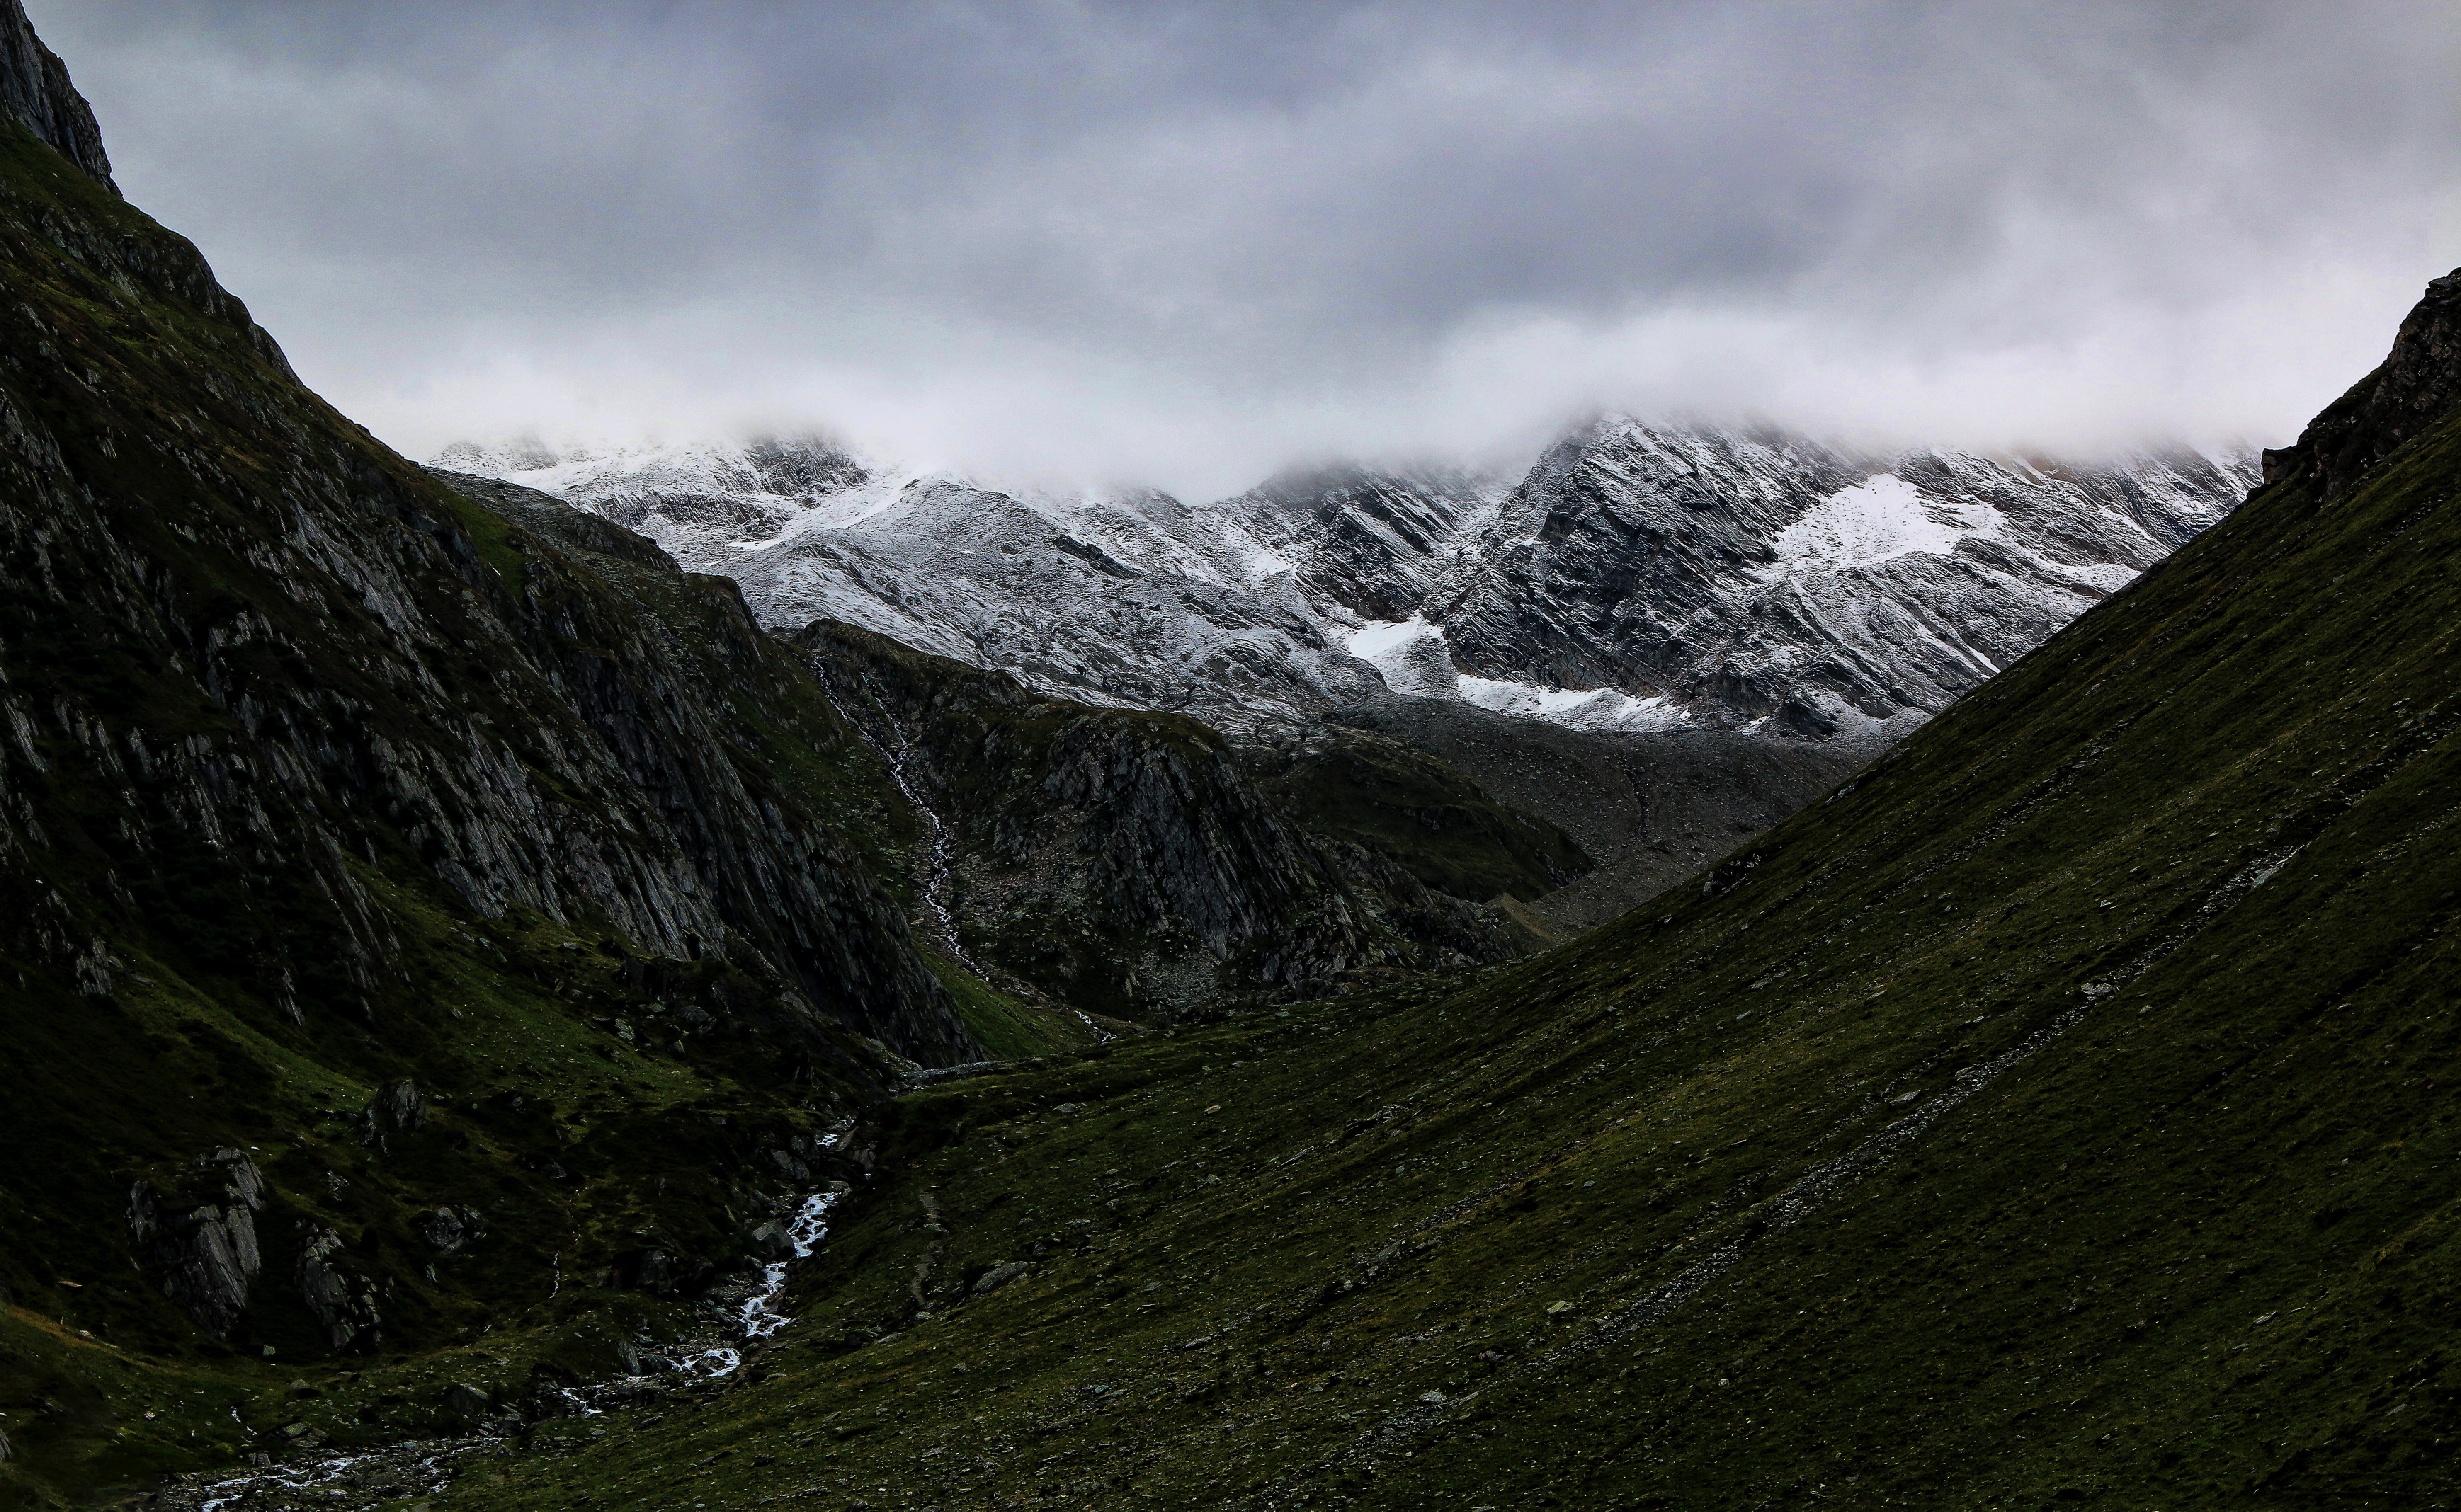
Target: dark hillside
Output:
{"points": [[2059, 1114], [1137, 864], [369, 860]]}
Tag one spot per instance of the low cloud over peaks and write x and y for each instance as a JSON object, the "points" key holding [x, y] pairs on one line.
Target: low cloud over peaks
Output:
{"points": [[1187, 243]]}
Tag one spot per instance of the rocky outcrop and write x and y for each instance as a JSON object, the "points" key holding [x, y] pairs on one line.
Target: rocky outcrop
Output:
{"points": [[366, 673], [343, 1302], [396, 1108], [1377, 543], [2417, 384], [34, 88], [449, 1230], [670, 709], [202, 1238]]}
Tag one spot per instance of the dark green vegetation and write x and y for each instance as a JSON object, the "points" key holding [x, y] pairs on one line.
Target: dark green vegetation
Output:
{"points": [[2059, 1114], [435, 935]]}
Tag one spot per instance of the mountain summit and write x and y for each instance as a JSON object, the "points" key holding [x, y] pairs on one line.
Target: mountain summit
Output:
{"points": [[1640, 578], [34, 88]]}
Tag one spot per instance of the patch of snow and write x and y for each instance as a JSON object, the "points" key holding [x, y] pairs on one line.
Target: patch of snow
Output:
{"points": [[1879, 519], [1409, 655], [1599, 709], [1377, 639]]}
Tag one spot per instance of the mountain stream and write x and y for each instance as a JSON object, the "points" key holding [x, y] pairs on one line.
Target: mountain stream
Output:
{"points": [[347, 1479]]}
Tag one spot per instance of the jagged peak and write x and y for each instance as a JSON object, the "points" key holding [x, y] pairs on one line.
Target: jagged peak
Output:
{"points": [[34, 88], [2417, 384]]}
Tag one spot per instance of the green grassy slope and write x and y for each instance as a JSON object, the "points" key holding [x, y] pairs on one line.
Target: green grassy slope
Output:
{"points": [[2060, 1114]]}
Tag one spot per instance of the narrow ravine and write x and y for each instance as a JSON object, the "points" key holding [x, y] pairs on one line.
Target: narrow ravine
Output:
{"points": [[939, 855]]}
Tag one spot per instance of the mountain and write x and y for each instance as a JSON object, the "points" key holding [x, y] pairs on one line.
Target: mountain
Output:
{"points": [[446, 941], [34, 88], [1134, 864], [405, 901], [489, 1017], [436, 914], [1640, 579], [1662, 638], [1751, 578], [2055, 1114]]}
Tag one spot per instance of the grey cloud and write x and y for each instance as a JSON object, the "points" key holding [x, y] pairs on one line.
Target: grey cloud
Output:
{"points": [[1188, 240]]}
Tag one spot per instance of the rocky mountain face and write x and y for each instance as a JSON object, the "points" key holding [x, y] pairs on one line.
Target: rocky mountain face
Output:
{"points": [[34, 88], [413, 910], [1763, 581], [2417, 384], [1138, 865], [2056, 1112], [1692, 630], [1640, 579]]}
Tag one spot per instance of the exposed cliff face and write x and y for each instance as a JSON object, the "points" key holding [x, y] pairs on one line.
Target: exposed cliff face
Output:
{"points": [[1373, 542], [1764, 581], [34, 88], [1640, 576], [1136, 863], [306, 650], [1644, 587], [2418, 382], [703, 712], [411, 857]]}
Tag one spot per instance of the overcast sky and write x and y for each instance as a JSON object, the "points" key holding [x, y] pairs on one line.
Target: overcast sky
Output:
{"points": [[1186, 242]]}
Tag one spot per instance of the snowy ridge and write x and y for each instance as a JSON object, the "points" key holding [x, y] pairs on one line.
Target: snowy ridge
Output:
{"points": [[1639, 578]]}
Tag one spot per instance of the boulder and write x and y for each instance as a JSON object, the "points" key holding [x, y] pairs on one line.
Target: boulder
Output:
{"points": [[400, 1108], [202, 1238], [998, 1276], [343, 1303], [448, 1230]]}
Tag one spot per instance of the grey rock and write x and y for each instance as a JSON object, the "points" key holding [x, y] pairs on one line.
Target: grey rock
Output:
{"points": [[448, 1230], [202, 1238], [771, 1241], [998, 1276], [2417, 384], [397, 1109], [34, 88], [653, 1272], [344, 1303], [467, 1402]]}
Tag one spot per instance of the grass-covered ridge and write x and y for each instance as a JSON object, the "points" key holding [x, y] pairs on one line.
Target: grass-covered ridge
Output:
{"points": [[2059, 1114]]}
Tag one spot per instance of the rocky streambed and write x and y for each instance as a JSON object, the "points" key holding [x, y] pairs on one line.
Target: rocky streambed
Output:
{"points": [[745, 1313]]}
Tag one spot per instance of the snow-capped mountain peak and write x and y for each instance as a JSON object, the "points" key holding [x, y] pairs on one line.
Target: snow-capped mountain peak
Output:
{"points": [[1639, 577]]}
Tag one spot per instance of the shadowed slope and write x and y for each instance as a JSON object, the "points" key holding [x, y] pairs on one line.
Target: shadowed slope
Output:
{"points": [[2057, 1114], [367, 858]]}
